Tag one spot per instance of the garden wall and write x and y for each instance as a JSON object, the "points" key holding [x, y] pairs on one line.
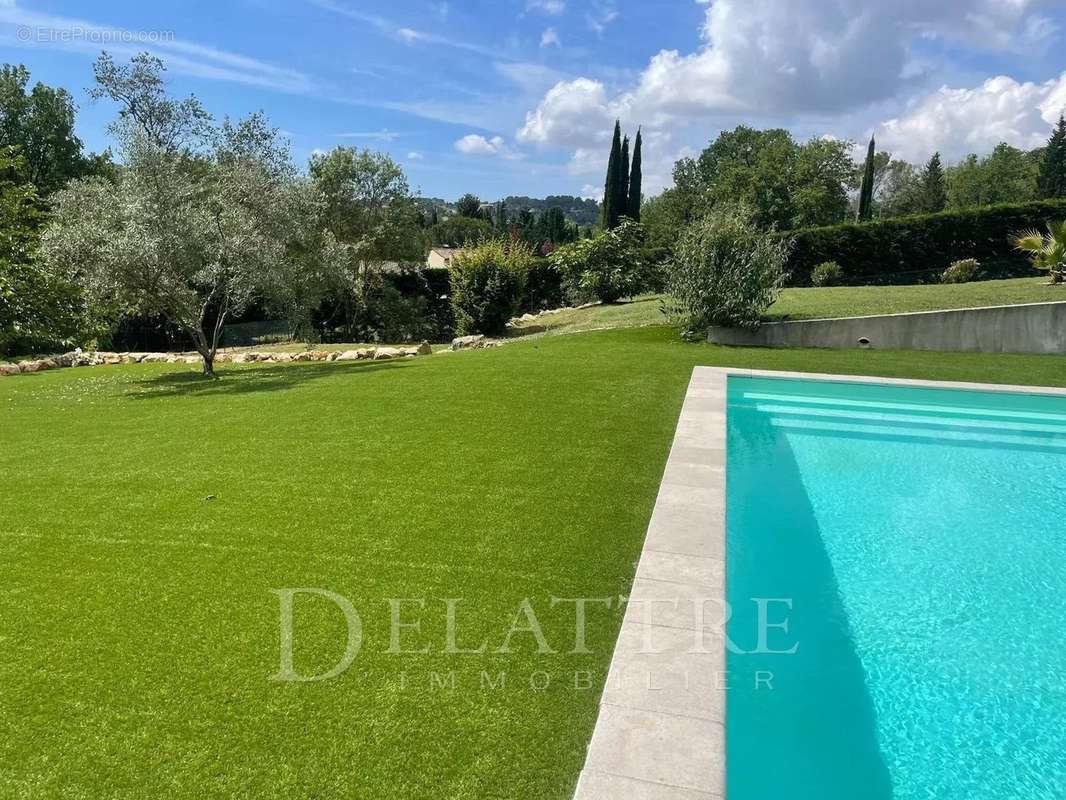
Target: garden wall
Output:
{"points": [[1031, 328]]}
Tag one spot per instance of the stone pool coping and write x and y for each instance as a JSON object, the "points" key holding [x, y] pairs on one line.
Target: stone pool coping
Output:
{"points": [[660, 734]]}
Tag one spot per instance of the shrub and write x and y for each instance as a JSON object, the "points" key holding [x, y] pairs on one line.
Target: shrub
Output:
{"points": [[828, 273], [910, 249], [726, 271], [544, 287], [962, 271], [487, 283], [607, 267]]}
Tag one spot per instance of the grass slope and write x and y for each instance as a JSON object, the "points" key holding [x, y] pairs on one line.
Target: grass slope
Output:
{"points": [[136, 618], [811, 303]]}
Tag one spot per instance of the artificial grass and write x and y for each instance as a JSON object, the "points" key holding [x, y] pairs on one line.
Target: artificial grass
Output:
{"points": [[138, 628], [814, 303]]}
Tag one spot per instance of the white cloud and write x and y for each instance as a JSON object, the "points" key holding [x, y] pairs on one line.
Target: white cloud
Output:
{"points": [[532, 78], [474, 144], [410, 36], [601, 15], [181, 56], [401, 33], [550, 7], [550, 37], [414, 155], [384, 135], [591, 192], [571, 113], [764, 61], [960, 121]]}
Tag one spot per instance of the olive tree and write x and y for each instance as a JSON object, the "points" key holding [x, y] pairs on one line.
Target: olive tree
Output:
{"points": [[200, 218]]}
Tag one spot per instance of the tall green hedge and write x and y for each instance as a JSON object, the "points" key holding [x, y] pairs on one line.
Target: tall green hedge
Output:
{"points": [[917, 249]]}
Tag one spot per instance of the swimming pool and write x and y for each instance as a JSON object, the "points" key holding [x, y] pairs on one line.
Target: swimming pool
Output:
{"points": [[914, 539]]}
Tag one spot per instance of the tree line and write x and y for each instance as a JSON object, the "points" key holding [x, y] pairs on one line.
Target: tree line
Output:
{"points": [[199, 222], [789, 185]]}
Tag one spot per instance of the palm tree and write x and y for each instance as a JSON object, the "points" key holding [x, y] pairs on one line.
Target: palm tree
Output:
{"points": [[1048, 250]]}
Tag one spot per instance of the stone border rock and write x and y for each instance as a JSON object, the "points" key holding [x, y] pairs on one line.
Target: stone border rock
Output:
{"points": [[77, 358]]}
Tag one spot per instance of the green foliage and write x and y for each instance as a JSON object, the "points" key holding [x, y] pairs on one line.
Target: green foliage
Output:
{"points": [[828, 273], [487, 284], [544, 287], [665, 216], [636, 178], [897, 188], [37, 310], [913, 249], [40, 123], [469, 206], [866, 190], [458, 231], [139, 88], [194, 227], [725, 271], [933, 191], [1051, 181], [1047, 250], [612, 185], [607, 267], [785, 184], [1006, 175], [368, 204], [962, 271]]}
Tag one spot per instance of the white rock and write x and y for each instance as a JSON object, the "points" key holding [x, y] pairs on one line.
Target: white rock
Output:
{"points": [[383, 353], [10, 369], [349, 355], [467, 342]]}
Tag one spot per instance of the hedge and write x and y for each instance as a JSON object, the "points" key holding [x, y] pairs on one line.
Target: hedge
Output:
{"points": [[918, 249]]}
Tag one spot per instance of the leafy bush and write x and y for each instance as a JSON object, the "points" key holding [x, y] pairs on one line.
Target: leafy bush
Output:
{"points": [[726, 271], [487, 284], [828, 273], [910, 249], [607, 267], [544, 287], [962, 271]]}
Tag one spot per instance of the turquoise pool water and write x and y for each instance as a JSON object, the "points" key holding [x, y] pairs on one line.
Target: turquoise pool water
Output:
{"points": [[920, 536]]}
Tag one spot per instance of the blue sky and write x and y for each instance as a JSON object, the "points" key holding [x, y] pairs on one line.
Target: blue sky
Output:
{"points": [[518, 96]]}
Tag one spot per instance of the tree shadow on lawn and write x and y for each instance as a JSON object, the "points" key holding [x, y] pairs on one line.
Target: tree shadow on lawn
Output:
{"points": [[252, 379]]}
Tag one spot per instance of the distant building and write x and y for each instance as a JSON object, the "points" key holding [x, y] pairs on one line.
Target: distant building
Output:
{"points": [[441, 257]]}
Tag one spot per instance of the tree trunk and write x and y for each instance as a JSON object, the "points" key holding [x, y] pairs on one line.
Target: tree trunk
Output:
{"points": [[209, 365]]}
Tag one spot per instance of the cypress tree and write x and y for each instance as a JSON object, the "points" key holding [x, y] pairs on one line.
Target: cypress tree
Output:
{"points": [[611, 211], [866, 190], [934, 193], [1051, 182], [623, 183], [635, 179]]}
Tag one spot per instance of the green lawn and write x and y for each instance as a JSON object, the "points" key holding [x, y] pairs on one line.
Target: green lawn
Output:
{"points": [[843, 301], [138, 628]]}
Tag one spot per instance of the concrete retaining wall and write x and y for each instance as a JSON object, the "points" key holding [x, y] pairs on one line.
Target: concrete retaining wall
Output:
{"points": [[1031, 328]]}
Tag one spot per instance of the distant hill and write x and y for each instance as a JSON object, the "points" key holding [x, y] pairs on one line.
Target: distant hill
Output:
{"points": [[576, 209]]}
